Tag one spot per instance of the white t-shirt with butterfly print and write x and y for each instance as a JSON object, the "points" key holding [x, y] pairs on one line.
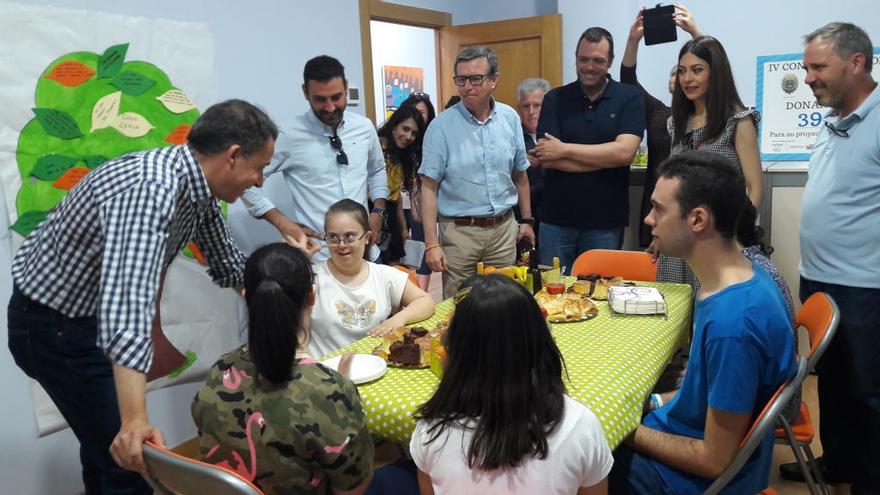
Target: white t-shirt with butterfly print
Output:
{"points": [[342, 314]]}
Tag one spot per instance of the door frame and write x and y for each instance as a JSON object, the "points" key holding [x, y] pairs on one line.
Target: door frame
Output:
{"points": [[376, 10], [546, 27]]}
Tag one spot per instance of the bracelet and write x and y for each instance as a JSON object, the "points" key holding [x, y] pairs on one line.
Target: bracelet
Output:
{"points": [[656, 401], [432, 246]]}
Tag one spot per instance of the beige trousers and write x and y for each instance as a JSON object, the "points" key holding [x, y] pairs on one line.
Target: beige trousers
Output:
{"points": [[465, 245]]}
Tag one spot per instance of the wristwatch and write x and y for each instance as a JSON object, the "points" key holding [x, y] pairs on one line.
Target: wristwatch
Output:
{"points": [[530, 221], [380, 211]]}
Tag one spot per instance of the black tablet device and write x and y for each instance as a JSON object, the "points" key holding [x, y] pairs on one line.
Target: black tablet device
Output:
{"points": [[659, 25]]}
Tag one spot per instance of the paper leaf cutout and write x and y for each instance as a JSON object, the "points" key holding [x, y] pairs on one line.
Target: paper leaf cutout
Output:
{"points": [[51, 167], [178, 135], [28, 222], [70, 178], [105, 111], [197, 253], [176, 101], [57, 123], [94, 162], [71, 73], [191, 357], [132, 83], [112, 60], [131, 124]]}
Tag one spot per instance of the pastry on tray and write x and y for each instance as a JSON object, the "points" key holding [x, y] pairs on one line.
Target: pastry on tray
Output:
{"points": [[409, 347], [569, 306], [598, 285]]}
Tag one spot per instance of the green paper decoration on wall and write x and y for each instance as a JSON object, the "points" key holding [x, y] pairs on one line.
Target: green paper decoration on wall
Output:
{"points": [[61, 137]]}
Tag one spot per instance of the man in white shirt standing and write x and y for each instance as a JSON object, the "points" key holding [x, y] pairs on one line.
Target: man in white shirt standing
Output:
{"points": [[325, 155]]}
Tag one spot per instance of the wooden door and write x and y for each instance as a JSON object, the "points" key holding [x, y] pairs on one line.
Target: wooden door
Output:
{"points": [[526, 47]]}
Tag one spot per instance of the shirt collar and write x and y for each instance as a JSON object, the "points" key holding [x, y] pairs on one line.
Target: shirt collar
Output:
{"points": [[864, 109], [608, 92], [316, 123], [199, 192], [469, 116]]}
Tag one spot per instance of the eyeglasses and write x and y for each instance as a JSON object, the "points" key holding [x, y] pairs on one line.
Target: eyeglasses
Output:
{"points": [[336, 143], [475, 80], [425, 96], [837, 131], [349, 238]]}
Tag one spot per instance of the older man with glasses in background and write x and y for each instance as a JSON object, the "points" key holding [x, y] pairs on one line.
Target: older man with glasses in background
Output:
{"points": [[325, 155], [473, 174]]}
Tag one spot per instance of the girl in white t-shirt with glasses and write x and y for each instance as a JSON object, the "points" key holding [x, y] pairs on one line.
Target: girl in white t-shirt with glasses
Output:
{"points": [[500, 421], [355, 297]]}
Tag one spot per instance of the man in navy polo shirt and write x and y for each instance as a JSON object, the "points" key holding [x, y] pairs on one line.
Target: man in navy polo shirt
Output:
{"points": [[589, 132]]}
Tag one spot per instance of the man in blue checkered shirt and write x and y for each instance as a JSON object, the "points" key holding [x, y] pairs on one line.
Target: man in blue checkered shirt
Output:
{"points": [[86, 280]]}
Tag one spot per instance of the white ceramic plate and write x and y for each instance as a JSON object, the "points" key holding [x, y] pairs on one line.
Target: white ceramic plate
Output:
{"points": [[364, 367]]}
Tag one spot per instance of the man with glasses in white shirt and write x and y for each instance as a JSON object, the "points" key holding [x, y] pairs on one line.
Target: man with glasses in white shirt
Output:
{"points": [[325, 155], [473, 174]]}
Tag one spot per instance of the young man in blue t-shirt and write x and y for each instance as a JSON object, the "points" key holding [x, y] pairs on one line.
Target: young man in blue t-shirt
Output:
{"points": [[741, 351]]}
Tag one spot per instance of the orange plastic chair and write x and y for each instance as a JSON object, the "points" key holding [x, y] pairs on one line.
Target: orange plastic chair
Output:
{"points": [[629, 265], [819, 316], [410, 272], [173, 474], [761, 427]]}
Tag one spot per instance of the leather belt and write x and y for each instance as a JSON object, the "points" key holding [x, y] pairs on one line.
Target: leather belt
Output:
{"points": [[481, 221]]}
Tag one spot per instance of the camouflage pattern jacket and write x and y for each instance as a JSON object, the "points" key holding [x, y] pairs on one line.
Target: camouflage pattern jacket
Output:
{"points": [[306, 436]]}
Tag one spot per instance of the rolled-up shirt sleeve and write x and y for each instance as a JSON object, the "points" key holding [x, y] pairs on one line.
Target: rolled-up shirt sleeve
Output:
{"points": [[136, 229], [225, 260], [254, 199], [377, 179], [434, 154]]}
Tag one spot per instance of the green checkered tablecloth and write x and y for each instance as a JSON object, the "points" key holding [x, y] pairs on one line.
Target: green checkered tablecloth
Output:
{"points": [[613, 363]]}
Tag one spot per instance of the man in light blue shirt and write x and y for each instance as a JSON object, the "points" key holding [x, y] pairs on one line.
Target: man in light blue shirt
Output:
{"points": [[840, 251], [473, 173], [325, 155]]}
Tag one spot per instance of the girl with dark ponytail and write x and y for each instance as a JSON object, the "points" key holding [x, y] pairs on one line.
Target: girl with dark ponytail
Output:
{"points": [[278, 291], [271, 412]]}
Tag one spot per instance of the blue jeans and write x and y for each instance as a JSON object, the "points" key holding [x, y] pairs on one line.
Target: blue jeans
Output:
{"points": [[849, 386], [62, 355], [633, 474], [399, 478], [568, 242]]}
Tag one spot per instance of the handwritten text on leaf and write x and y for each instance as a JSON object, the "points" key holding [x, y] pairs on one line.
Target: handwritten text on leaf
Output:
{"points": [[105, 111], [71, 73], [112, 60], [52, 166], [132, 83], [57, 123]]}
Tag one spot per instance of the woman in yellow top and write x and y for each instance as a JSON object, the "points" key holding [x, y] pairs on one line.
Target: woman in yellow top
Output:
{"points": [[401, 139]]}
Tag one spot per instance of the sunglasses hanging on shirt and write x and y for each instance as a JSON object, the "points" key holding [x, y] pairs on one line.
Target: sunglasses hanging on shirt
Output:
{"points": [[336, 143]]}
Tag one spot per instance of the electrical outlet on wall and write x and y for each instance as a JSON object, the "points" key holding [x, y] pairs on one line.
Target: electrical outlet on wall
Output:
{"points": [[354, 96]]}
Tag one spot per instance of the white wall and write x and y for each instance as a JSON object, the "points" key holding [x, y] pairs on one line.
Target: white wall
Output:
{"points": [[406, 46], [747, 29]]}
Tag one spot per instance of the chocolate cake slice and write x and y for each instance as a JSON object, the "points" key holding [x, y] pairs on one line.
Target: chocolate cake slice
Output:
{"points": [[406, 351]]}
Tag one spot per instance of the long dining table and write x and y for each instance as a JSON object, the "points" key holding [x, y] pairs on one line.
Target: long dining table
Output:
{"points": [[612, 362]]}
